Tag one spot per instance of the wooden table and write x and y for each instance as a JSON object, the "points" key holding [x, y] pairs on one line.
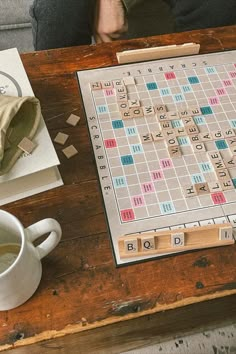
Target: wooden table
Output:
{"points": [[84, 304]]}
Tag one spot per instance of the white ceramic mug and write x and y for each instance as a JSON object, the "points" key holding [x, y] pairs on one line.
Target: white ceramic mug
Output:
{"points": [[21, 270]]}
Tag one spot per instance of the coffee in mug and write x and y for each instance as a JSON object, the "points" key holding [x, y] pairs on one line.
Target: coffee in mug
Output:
{"points": [[8, 255]]}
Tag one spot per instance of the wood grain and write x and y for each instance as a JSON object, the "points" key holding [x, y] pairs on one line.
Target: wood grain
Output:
{"points": [[82, 292]]}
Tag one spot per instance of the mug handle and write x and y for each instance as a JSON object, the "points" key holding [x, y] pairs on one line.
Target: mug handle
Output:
{"points": [[40, 228]]}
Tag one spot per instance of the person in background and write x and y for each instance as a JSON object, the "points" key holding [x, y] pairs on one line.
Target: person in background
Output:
{"points": [[60, 23], [111, 15]]}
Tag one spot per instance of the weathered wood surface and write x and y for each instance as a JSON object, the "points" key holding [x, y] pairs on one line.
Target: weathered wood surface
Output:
{"points": [[81, 288]]}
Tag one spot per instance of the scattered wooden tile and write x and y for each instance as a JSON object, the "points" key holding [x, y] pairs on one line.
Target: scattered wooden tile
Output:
{"points": [[73, 120], [26, 145], [61, 138], [70, 151]]}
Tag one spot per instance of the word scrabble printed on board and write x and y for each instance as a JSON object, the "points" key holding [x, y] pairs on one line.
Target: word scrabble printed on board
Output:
{"points": [[164, 138]]}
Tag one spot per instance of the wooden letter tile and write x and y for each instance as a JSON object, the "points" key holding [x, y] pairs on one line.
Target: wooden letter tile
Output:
{"points": [[128, 80], [217, 134], [61, 138], [160, 108], [172, 115], [137, 112], [146, 138], [166, 125], [73, 120], [228, 133], [192, 129], [148, 110], [147, 243], [226, 233], [177, 240], [131, 246], [214, 186], [174, 151], [202, 188], [96, 85], [190, 191], [226, 184], [188, 121], [198, 147], [26, 145], [205, 136], [70, 151], [123, 105], [106, 84], [157, 135], [134, 103], [223, 174], [231, 141]]}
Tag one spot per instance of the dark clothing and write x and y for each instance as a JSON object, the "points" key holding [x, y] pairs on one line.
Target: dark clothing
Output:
{"points": [[61, 23], [197, 14], [64, 23]]}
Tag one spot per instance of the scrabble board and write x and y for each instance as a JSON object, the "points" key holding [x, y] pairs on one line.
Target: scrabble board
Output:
{"points": [[164, 139]]}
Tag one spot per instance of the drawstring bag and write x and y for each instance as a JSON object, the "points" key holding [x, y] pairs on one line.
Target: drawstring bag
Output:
{"points": [[19, 118]]}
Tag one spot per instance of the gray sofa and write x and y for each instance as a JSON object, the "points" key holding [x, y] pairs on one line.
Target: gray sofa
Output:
{"points": [[15, 27]]}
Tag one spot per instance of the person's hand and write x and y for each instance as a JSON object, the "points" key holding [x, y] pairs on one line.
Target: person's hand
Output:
{"points": [[110, 20]]}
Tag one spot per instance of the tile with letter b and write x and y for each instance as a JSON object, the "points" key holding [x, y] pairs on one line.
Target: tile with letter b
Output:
{"points": [[131, 246]]}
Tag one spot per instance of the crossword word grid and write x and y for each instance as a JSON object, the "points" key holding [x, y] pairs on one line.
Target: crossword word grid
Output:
{"points": [[164, 139]]}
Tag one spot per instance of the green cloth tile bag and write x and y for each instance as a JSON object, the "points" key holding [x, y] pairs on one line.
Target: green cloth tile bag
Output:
{"points": [[19, 118]]}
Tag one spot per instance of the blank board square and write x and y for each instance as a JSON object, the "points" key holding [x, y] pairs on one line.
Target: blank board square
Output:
{"points": [[73, 120], [61, 138], [70, 151], [26, 145]]}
